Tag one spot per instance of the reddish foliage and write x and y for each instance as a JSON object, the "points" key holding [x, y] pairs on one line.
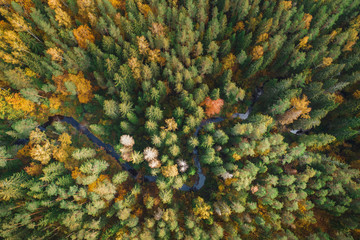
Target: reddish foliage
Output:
{"points": [[213, 107]]}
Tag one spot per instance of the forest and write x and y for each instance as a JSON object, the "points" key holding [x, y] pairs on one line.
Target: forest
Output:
{"points": [[180, 119]]}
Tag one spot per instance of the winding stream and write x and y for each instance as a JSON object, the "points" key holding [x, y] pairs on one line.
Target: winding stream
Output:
{"points": [[126, 166]]}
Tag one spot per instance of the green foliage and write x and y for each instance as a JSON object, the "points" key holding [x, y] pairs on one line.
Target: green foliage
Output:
{"points": [[172, 75], [83, 153], [22, 128]]}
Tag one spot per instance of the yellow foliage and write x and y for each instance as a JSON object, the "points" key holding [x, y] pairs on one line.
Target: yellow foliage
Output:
{"points": [[303, 43], [327, 61], [7, 110], [263, 37], [229, 181], [4, 25], [20, 103], [308, 76], [302, 105], [60, 154], [83, 35], [236, 156], [54, 4], [16, 21], [119, 4], [24, 152], [37, 136], [252, 23], [62, 17], [348, 46], [144, 8], [92, 186], [135, 67], [85, 7], [76, 173], [356, 94], [307, 19], [26, 4], [154, 55], [355, 23], [157, 29], [34, 169], [65, 139], [202, 209], [171, 124], [287, 5], [353, 37], [143, 45], [170, 171], [42, 152], [30, 73], [14, 48], [333, 34], [59, 83], [338, 98], [239, 26], [229, 61], [133, 63], [257, 52], [299, 108], [55, 103], [83, 87]]}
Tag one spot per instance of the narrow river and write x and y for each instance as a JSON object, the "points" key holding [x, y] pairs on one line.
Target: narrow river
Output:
{"points": [[126, 166]]}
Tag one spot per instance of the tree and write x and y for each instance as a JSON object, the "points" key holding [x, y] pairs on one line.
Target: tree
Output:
{"points": [[202, 209], [83, 36], [170, 171], [83, 153], [10, 187], [83, 87], [299, 108], [7, 111], [212, 107], [229, 61], [111, 108], [154, 113], [160, 73], [63, 18], [257, 52]]}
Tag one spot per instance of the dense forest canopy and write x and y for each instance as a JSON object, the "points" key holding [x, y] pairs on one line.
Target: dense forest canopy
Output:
{"points": [[259, 98]]}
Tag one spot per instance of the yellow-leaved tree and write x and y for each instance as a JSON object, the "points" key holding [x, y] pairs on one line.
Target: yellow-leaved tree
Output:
{"points": [[170, 171], [299, 108], [83, 87], [20, 103], [202, 209], [257, 52], [83, 35]]}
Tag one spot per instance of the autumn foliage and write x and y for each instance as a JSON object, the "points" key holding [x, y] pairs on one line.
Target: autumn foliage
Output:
{"points": [[299, 108], [83, 87], [202, 209], [257, 52], [83, 34], [113, 123], [212, 107]]}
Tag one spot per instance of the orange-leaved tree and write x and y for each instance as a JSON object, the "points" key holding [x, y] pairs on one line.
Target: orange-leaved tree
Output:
{"points": [[82, 35], [212, 107], [83, 87]]}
